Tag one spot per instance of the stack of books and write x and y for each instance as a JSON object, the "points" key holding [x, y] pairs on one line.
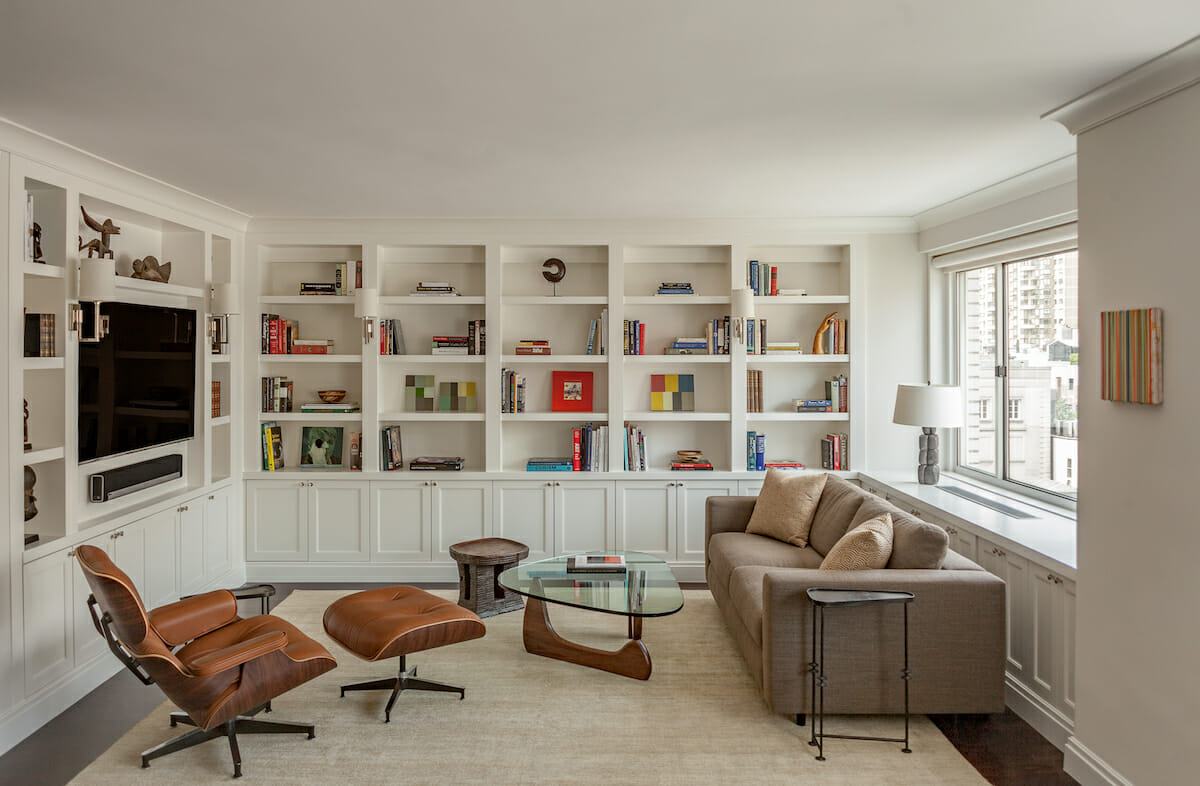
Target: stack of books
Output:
{"points": [[282, 337], [317, 288], [347, 277], [784, 463], [756, 451], [837, 390], [676, 288], [391, 457], [776, 348], [635, 337], [596, 563], [512, 391], [635, 449], [39, 335], [434, 289], [276, 394], [532, 346], [589, 448], [834, 341], [812, 405], [754, 382], [756, 336], [216, 398], [391, 339], [835, 451], [688, 345], [716, 335], [441, 463], [450, 345], [272, 447], [548, 464], [690, 460], [322, 406], [763, 278], [477, 337], [597, 340]]}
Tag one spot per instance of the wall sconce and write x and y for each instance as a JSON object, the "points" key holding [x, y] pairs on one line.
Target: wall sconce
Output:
{"points": [[743, 309], [97, 284], [224, 303], [366, 308]]}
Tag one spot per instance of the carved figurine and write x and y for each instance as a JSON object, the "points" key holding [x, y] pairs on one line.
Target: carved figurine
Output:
{"points": [[149, 269], [28, 444], [556, 270], [100, 244], [30, 500], [37, 243], [819, 339]]}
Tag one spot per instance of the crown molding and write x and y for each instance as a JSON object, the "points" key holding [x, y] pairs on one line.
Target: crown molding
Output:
{"points": [[1170, 72], [59, 155], [1035, 181]]}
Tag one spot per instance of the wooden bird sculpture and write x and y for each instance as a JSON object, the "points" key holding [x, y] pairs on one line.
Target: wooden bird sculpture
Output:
{"points": [[148, 269], [818, 339], [100, 244]]}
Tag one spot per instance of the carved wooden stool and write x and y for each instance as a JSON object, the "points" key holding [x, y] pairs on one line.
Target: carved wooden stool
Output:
{"points": [[479, 563]]}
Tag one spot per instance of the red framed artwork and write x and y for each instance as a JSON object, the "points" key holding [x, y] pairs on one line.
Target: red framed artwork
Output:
{"points": [[571, 391]]}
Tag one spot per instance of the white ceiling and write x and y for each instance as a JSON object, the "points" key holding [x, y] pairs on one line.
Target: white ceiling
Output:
{"points": [[571, 108]]}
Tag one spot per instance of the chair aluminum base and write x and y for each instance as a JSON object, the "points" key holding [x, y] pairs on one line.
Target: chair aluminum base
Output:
{"points": [[245, 724], [405, 680]]}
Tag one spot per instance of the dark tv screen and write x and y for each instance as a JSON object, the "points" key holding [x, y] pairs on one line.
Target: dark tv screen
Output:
{"points": [[137, 385]]}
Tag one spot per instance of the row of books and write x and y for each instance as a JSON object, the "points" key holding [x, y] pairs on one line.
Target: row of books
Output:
{"points": [[512, 391], [676, 288], [391, 453], [320, 448], [347, 277], [216, 398], [812, 405], [754, 390], [470, 344], [635, 337], [716, 335], [835, 451], [276, 394], [281, 336], [763, 280], [39, 335], [837, 390], [391, 338], [688, 345], [589, 448], [756, 455], [532, 346], [637, 457], [597, 341], [835, 340], [434, 289]]}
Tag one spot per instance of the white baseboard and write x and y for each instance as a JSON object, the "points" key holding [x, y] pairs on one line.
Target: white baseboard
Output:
{"points": [[39, 709], [1089, 769], [1048, 720]]}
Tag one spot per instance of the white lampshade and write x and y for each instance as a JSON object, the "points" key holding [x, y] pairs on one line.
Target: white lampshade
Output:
{"points": [[366, 303], [226, 299], [743, 303], [97, 280], [929, 406]]}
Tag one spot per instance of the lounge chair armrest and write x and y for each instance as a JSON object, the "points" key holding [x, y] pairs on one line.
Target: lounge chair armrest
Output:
{"points": [[180, 622], [234, 655]]}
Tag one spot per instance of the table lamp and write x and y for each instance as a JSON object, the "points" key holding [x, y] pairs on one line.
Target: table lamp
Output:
{"points": [[930, 407]]}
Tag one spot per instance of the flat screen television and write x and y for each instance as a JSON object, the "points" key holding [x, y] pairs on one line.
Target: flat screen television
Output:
{"points": [[137, 385]]}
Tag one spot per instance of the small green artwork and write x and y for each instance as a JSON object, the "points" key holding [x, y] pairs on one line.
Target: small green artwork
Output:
{"points": [[456, 397], [420, 393], [321, 447]]}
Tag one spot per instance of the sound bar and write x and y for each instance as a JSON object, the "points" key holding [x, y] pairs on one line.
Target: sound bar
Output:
{"points": [[125, 480]]}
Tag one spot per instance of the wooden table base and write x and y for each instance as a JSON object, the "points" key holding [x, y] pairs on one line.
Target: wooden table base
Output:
{"points": [[632, 660]]}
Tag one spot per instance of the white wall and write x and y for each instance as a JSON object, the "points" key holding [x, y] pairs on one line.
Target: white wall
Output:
{"points": [[1138, 625]]}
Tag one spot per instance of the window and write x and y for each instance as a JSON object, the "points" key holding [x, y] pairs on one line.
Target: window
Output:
{"points": [[1018, 342]]}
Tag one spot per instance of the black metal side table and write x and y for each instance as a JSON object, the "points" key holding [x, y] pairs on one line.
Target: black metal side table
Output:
{"points": [[823, 598]]}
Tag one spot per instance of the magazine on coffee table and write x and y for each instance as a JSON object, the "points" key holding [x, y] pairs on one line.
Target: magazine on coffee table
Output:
{"points": [[596, 563]]}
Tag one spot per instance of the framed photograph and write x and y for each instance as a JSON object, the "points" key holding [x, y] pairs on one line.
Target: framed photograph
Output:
{"points": [[321, 447], [571, 391]]}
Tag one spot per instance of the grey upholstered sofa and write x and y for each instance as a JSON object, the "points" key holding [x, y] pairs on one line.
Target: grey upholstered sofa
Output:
{"points": [[956, 621]]}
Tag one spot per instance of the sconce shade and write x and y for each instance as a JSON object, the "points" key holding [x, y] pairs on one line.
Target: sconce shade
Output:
{"points": [[97, 280], [743, 303], [929, 406], [366, 303], [226, 299]]}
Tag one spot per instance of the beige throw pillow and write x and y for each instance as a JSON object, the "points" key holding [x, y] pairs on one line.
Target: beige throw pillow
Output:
{"points": [[866, 547], [786, 505]]}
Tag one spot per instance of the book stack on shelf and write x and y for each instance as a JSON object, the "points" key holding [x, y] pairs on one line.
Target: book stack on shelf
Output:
{"points": [[835, 451], [216, 398], [763, 278], [512, 391], [837, 390], [323, 406], [754, 390], [690, 345], [434, 289], [635, 337], [477, 337], [282, 337], [812, 404], [676, 288], [779, 348], [716, 335], [756, 336], [532, 346], [635, 449], [783, 463], [834, 340], [549, 464], [596, 563], [450, 345], [690, 460], [437, 463], [391, 456], [589, 448], [597, 340], [756, 451], [391, 338], [347, 277], [39, 335], [276, 394], [272, 447]]}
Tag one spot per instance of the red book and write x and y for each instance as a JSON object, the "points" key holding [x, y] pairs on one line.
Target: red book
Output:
{"points": [[275, 336], [310, 349], [641, 338], [774, 280], [531, 351], [575, 467], [451, 338]]}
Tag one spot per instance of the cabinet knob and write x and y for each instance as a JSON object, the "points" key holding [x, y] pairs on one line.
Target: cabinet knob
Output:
{"points": [[300, 483], [310, 483], [119, 534], [210, 496], [433, 483], [424, 482], [71, 553], [557, 483], [548, 483]]}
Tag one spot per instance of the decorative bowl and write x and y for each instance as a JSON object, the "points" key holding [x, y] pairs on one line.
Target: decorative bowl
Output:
{"points": [[331, 396]]}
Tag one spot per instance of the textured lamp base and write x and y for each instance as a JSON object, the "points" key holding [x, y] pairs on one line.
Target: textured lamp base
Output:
{"points": [[927, 460]]}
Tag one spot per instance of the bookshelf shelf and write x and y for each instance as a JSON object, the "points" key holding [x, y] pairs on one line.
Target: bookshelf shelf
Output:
{"points": [[678, 416], [311, 417], [44, 455], [400, 417], [306, 300], [784, 417], [677, 300], [224, 420], [572, 417], [310, 359], [158, 288], [594, 360], [763, 360], [680, 359], [401, 360], [547, 300], [427, 300], [43, 364], [42, 270], [800, 300]]}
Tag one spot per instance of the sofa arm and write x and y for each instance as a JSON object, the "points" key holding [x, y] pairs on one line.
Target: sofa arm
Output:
{"points": [[957, 631], [726, 514]]}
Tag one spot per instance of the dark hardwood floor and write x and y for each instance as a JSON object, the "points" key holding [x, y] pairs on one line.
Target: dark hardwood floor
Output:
{"points": [[1003, 748]]}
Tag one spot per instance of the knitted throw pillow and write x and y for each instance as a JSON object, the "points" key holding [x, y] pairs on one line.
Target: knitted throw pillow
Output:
{"points": [[866, 547]]}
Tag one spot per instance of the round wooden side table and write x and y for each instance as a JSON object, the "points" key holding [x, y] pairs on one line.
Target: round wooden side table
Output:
{"points": [[480, 562]]}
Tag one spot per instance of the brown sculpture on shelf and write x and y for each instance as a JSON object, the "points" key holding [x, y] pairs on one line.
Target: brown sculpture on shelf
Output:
{"points": [[148, 269], [556, 270], [819, 338], [28, 444], [100, 244], [37, 243], [30, 500]]}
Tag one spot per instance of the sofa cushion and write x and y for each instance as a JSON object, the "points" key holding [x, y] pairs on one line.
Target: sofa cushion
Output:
{"points": [[786, 505], [728, 551], [865, 547], [915, 543], [840, 500]]}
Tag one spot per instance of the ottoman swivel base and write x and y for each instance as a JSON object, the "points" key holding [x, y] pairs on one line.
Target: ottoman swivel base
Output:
{"points": [[405, 680]]}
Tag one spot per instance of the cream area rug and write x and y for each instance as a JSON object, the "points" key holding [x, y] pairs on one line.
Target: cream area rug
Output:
{"points": [[526, 719]]}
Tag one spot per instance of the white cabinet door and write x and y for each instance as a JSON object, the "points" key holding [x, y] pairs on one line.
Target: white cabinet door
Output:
{"points": [[646, 517], [401, 521], [690, 500], [523, 510], [749, 488], [191, 546], [462, 510], [161, 583], [1067, 631], [584, 516], [1053, 672], [276, 521], [339, 521], [47, 615], [218, 551], [1015, 572], [87, 643]]}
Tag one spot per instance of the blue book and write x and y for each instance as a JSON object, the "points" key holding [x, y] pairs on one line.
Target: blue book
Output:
{"points": [[548, 468], [760, 452], [689, 345], [751, 442], [754, 276]]}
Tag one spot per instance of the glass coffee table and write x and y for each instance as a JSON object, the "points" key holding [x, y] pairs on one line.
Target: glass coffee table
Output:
{"points": [[647, 588]]}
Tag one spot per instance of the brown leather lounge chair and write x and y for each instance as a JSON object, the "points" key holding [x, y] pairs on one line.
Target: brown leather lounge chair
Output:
{"points": [[227, 670]]}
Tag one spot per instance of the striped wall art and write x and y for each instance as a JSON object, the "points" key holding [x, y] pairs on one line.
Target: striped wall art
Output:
{"points": [[1131, 355]]}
